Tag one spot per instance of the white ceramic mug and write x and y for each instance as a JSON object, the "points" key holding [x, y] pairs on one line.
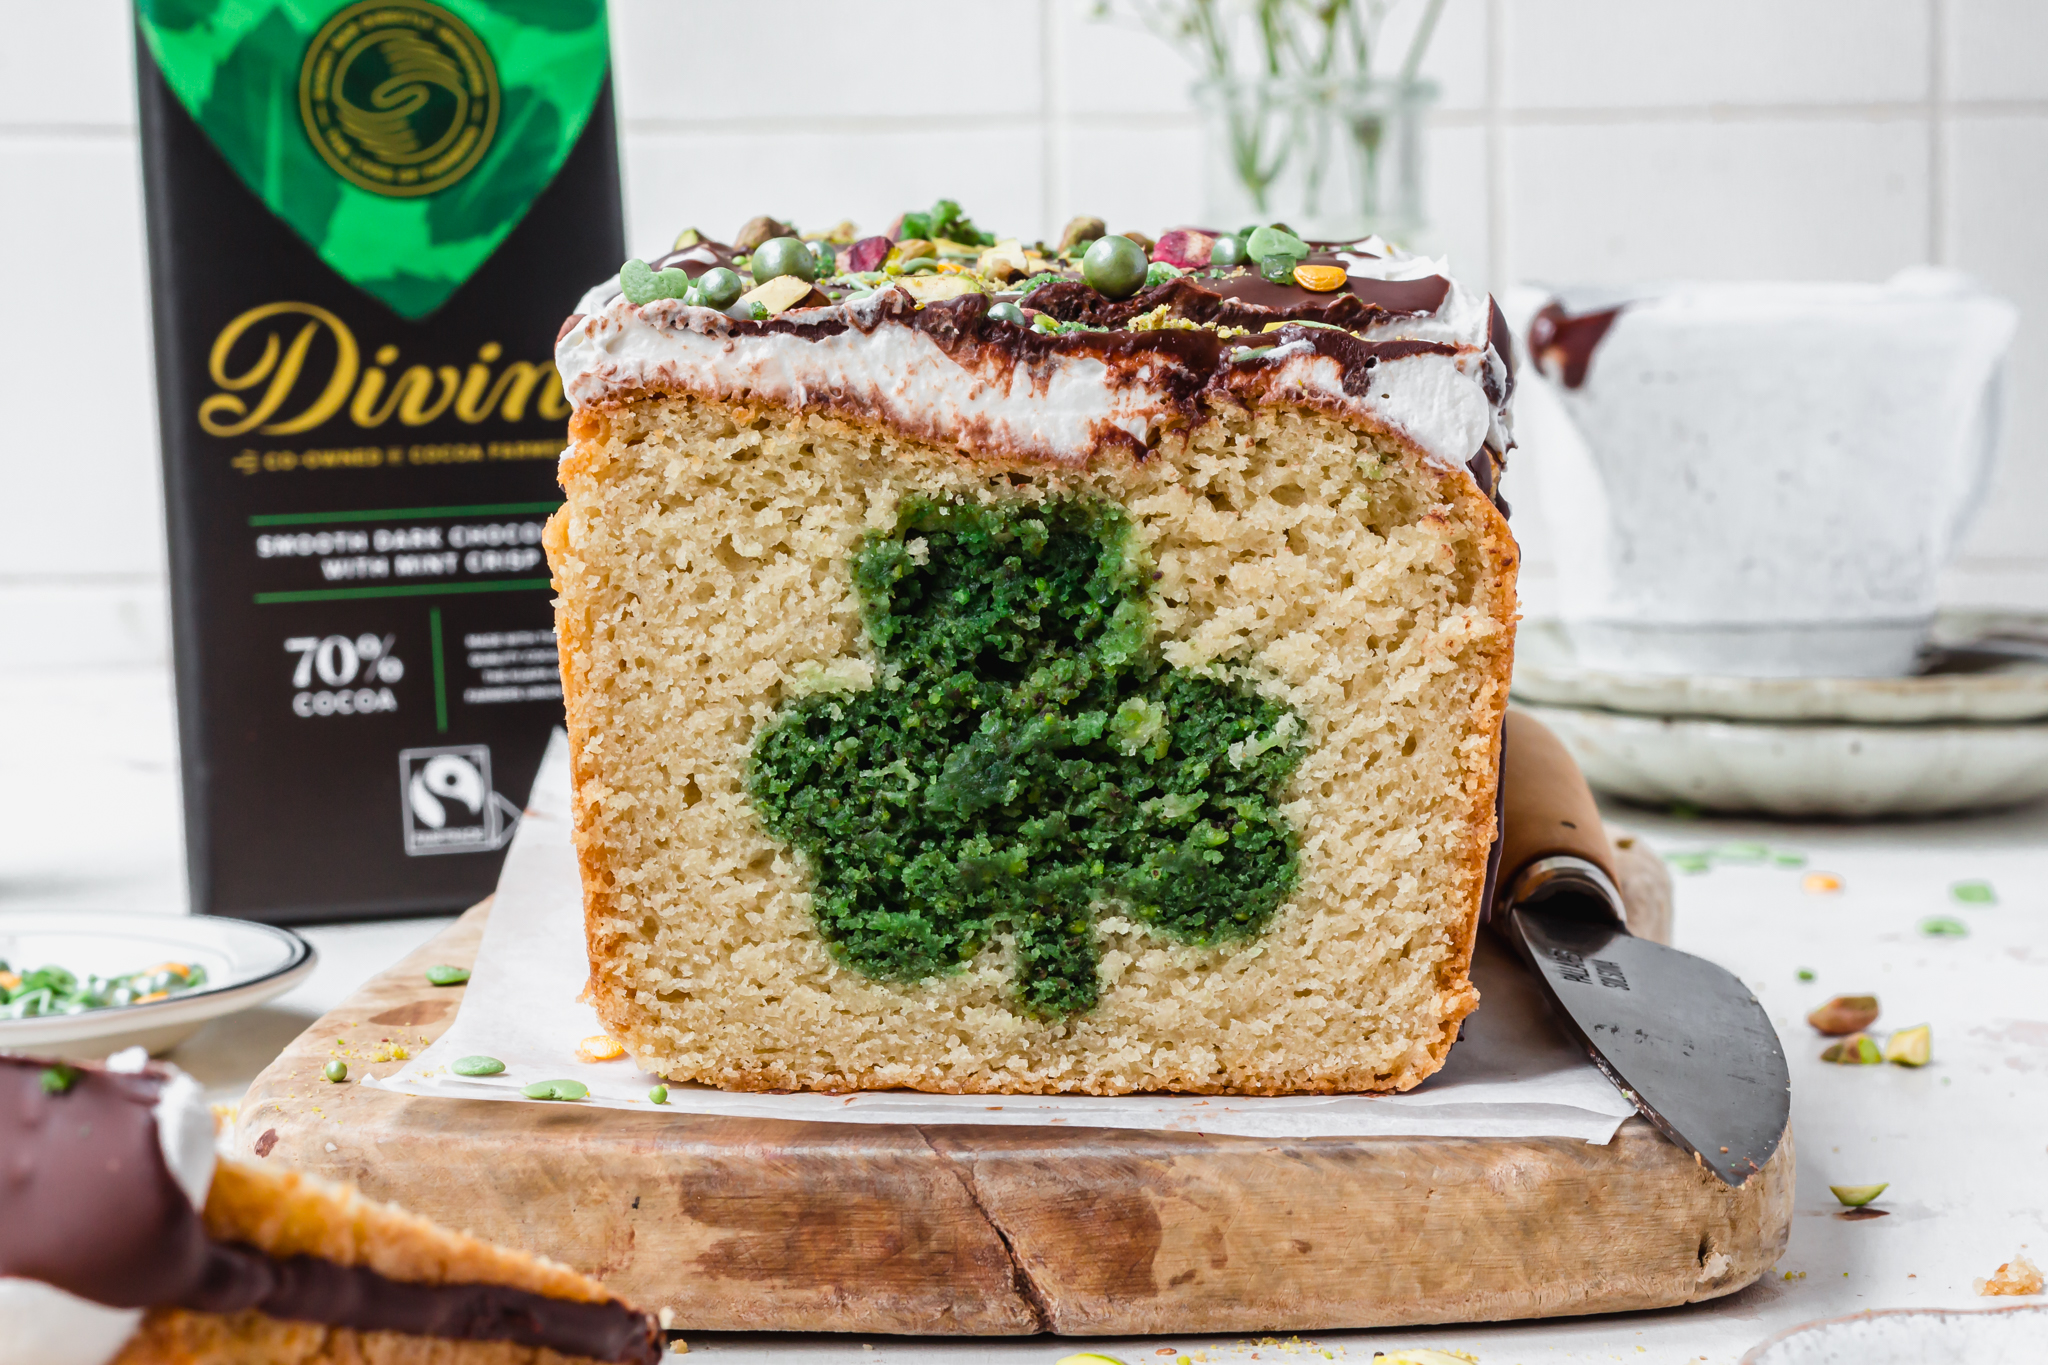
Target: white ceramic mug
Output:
{"points": [[1761, 480]]}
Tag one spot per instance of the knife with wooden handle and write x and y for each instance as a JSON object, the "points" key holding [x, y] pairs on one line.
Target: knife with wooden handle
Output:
{"points": [[1682, 1038]]}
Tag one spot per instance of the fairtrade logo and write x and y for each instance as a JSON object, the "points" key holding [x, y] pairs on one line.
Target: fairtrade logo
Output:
{"points": [[400, 97], [448, 802]]}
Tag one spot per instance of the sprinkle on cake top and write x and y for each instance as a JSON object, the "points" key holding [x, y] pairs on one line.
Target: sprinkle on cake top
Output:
{"points": [[1054, 350]]}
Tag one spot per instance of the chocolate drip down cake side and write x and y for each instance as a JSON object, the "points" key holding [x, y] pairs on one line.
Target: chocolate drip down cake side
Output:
{"points": [[995, 668]]}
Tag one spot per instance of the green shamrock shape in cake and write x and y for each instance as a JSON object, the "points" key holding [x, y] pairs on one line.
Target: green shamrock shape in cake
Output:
{"points": [[1026, 761]]}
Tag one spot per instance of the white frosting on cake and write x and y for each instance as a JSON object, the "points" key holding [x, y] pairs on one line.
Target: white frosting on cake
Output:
{"points": [[1061, 408], [43, 1325]]}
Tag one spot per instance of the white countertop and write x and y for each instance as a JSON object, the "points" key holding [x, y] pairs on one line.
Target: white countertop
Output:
{"points": [[88, 795]]}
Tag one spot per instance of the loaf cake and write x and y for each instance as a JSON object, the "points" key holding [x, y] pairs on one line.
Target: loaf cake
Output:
{"points": [[125, 1239], [1003, 667]]}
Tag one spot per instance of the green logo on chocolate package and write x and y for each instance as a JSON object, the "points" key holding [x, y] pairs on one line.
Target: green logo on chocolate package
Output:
{"points": [[402, 139], [1026, 762], [399, 96]]}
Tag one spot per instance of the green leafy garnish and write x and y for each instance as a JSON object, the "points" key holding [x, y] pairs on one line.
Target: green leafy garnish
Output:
{"points": [[945, 221], [59, 1078]]}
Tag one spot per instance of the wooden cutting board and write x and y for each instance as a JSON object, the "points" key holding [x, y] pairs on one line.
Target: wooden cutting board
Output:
{"points": [[748, 1224]]}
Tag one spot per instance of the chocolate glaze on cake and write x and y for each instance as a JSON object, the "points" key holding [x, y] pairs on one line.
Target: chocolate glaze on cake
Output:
{"points": [[1398, 346], [91, 1207]]}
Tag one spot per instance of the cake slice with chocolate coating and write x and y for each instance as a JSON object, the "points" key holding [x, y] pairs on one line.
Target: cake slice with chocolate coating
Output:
{"points": [[125, 1239], [1008, 667]]}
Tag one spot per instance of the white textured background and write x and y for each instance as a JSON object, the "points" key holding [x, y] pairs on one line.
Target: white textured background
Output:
{"points": [[1590, 140]]}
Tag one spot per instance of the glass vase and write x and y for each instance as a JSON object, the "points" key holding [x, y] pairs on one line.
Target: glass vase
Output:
{"points": [[1335, 159]]}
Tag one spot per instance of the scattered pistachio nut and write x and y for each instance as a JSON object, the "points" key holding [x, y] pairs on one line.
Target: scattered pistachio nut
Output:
{"points": [[1820, 883], [1845, 1014], [1320, 279], [335, 1071], [1856, 1196], [1942, 926], [935, 288], [688, 237], [599, 1047], [759, 230], [1273, 241], [869, 253], [1806, 974], [556, 1090], [1973, 893], [1858, 1049], [442, 974], [1185, 248], [777, 295], [911, 249], [1910, 1046], [1088, 1358], [1079, 232], [476, 1066], [1422, 1355], [1145, 244]]}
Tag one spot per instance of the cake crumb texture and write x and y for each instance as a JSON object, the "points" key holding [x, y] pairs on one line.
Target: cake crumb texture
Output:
{"points": [[703, 565]]}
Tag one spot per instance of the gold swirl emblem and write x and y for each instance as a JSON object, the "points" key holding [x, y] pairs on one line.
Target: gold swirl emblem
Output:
{"points": [[400, 97]]}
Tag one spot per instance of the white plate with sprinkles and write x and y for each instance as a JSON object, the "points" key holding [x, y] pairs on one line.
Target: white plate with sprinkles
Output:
{"points": [[82, 984]]}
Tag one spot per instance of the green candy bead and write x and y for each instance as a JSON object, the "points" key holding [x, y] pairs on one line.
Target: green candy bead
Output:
{"points": [[720, 287], [476, 1066], [1228, 251], [442, 974], [1007, 312], [556, 1090], [336, 1071], [1114, 267], [780, 256], [658, 1095]]}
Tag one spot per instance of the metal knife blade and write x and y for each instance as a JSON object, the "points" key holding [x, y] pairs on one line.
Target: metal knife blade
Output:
{"points": [[1683, 1039]]}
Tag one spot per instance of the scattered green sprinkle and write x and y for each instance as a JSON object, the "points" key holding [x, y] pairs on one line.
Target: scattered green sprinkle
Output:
{"points": [[336, 1071], [1742, 852], [556, 1090], [59, 1078], [1783, 859], [1856, 1196], [658, 1095], [1941, 926], [476, 1066], [1973, 893], [444, 975], [1806, 974]]}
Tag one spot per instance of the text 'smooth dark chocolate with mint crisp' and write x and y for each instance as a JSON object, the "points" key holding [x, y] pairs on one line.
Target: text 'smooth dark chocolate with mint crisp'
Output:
{"points": [[367, 221]]}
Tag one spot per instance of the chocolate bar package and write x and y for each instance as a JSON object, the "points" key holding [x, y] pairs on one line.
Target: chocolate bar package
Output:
{"points": [[366, 224]]}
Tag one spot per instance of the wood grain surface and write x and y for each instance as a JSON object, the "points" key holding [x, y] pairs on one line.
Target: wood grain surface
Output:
{"points": [[744, 1224]]}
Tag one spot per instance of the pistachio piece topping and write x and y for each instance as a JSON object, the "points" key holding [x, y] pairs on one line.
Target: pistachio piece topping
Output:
{"points": [[1845, 1014]]}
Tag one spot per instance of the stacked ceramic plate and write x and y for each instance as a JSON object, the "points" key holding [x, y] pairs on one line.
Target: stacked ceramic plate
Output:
{"points": [[1969, 733]]}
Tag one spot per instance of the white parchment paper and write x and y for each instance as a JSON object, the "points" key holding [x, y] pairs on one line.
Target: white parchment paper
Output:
{"points": [[1513, 1074]]}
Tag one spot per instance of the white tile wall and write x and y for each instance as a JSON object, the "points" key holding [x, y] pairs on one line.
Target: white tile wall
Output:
{"points": [[1595, 140]]}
